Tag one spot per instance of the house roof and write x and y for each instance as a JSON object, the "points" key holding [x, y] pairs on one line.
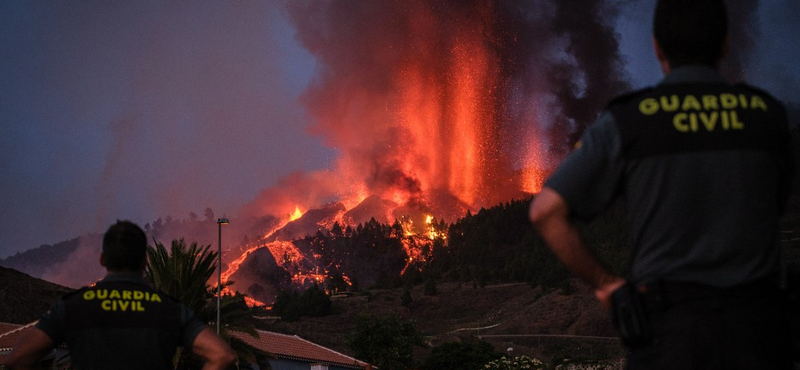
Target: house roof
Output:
{"points": [[10, 334], [295, 348], [279, 345]]}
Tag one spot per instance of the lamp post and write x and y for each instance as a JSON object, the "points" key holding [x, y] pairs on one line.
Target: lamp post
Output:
{"points": [[220, 222]]}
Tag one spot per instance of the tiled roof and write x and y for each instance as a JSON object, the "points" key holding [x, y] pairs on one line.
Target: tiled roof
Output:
{"points": [[10, 334], [296, 348], [279, 345]]}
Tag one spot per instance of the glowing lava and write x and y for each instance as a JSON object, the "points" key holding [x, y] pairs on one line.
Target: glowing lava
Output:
{"points": [[296, 214]]}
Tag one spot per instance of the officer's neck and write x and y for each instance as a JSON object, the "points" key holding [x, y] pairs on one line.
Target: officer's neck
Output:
{"points": [[139, 273]]}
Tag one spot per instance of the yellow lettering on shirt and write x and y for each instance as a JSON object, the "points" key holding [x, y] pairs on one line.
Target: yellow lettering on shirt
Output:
{"points": [[710, 102], [757, 103], [690, 103], [706, 113], [648, 106], [679, 121], [709, 120], [124, 301], [670, 104]]}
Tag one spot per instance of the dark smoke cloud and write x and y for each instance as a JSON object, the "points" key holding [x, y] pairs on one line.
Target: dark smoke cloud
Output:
{"points": [[743, 30], [593, 43], [551, 65]]}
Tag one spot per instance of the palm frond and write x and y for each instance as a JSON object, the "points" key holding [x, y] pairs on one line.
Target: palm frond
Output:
{"points": [[184, 272]]}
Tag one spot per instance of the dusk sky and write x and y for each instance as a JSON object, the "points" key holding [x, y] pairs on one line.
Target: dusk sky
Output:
{"points": [[143, 109]]}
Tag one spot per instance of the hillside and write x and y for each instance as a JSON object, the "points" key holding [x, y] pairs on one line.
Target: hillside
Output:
{"points": [[543, 324], [59, 262], [24, 298], [561, 321]]}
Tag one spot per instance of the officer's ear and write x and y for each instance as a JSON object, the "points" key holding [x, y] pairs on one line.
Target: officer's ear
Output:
{"points": [[726, 46], [102, 259], [662, 58]]}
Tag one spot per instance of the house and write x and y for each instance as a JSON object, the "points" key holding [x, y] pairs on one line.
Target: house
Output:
{"points": [[289, 352], [9, 334]]}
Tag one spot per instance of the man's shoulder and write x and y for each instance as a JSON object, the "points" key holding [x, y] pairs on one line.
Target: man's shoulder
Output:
{"points": [[627, 97], [75, 293], [759, 91]]}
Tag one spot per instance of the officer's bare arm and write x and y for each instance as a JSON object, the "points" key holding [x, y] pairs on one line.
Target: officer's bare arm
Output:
{"points": [[215, 350], [549, 213], [31, 348]]}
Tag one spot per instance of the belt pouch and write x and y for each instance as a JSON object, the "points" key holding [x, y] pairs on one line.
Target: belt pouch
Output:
{"points": [[630, 317]]}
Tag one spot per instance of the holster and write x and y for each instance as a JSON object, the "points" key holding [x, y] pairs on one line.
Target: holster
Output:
{"points": [[630, 316]]}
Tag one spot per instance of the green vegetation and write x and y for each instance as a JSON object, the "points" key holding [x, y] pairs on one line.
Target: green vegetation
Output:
{"points": [[183, 273], [406, 298], [385, 341], [495, 245], [460, 355], [500, 245], [362, 253], [291, 305], [515, 363]]}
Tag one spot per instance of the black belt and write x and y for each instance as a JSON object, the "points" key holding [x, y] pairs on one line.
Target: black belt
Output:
{"points": [[660, 293]]}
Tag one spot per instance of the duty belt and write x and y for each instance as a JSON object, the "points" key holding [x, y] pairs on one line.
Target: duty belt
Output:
{"points": [[661, 294]]}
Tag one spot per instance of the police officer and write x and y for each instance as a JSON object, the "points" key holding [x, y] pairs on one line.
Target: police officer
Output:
{"points": [[121, 322], [705, 169]]}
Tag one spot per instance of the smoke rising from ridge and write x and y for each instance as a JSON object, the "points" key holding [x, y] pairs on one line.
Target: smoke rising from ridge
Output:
{"points": [[470, 99]]}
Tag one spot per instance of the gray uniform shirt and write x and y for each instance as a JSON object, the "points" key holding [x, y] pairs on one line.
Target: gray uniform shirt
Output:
{"points": [[705, 168]]}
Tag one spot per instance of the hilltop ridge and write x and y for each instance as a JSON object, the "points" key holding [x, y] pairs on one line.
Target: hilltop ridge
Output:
{"points": [[24, 298]]}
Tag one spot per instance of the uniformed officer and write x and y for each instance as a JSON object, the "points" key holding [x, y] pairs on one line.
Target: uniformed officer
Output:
{"points": [[705, 168], [121, 322]]}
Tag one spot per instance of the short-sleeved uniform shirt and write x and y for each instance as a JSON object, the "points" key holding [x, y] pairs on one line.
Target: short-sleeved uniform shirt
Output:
{"points": [[121, 322], [705, 168]]}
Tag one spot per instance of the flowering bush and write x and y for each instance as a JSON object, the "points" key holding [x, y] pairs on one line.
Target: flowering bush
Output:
{"points": [[515, 363]]}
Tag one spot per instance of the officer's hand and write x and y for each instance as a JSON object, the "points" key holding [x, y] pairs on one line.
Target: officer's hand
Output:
{"points": [[603, 292]]}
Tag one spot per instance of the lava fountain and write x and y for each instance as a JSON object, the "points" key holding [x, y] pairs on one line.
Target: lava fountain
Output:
{"points": [[438, 107]]}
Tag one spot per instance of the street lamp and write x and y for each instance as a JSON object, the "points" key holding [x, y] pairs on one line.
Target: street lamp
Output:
{"points": [[220, 222]]}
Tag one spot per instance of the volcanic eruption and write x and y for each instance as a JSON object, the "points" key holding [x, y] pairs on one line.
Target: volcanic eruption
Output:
{"points": [[435, 108]]}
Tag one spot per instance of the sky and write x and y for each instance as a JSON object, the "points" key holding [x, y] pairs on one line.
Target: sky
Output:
{"points": [[139, 110]]}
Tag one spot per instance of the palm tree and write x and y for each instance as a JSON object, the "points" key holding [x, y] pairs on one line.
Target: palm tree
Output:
{"points": [[183, 273]]}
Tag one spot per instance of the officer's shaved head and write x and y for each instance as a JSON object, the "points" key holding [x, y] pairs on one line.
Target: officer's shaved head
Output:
{"points": [[124, 247], [691, 31]]}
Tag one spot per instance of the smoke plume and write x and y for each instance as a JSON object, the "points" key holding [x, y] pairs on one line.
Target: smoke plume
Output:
{"points": [[743, 30], [453, 105]]}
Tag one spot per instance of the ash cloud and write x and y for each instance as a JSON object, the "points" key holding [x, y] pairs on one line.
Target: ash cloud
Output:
{"points": [[743, 30], [542, 67]]}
